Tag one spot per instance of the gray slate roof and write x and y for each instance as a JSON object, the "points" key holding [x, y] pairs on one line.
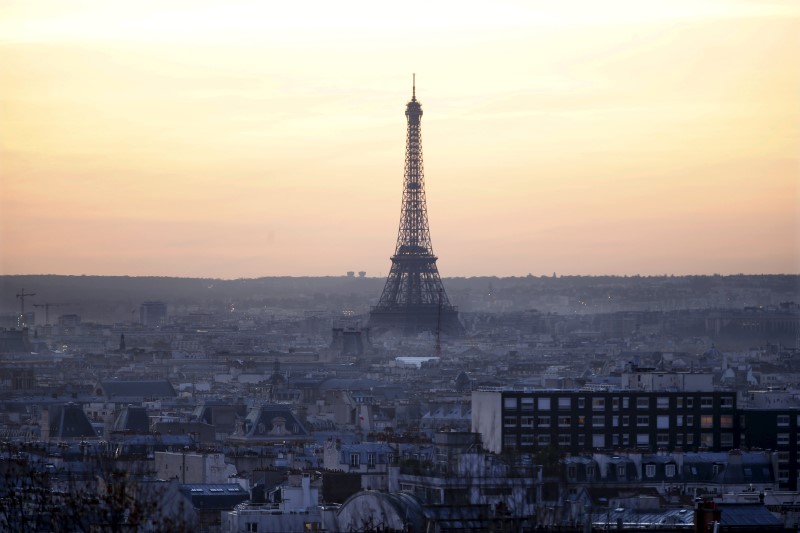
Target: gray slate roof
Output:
{"points": [[737, 515], [69, 422], [137, 389]]}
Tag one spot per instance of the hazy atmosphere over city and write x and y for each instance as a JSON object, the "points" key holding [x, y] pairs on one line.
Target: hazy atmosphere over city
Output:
{"points": [[245, 139], [399, 267]]}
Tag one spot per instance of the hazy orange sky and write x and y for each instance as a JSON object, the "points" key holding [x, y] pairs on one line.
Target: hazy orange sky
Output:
{"points": [[244, 139]]}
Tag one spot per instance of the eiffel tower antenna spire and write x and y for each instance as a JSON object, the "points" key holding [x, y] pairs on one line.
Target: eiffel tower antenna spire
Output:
{"points": [[413, 299]]}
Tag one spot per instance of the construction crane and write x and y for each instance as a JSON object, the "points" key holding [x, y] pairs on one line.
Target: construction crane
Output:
{"points": [[21, 297], [47, 306]]}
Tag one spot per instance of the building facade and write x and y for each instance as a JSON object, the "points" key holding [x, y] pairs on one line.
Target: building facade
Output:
{"points": [[153, 314], [775, 429], [526, 422]]}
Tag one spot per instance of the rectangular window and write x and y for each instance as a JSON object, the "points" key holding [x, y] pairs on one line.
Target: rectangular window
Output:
{"points": [[689, 403], [581, 421], [355, 460], [679, 439], [564, 403], [706, 421], [371, 458], [572, 471], [662, 439], [615, 440], [564, 440], [642, 439], [581, 403], [626, 402], [642, 421], [707, 439], [598, 421], [621, 471], [662, 402], [783, 420], [669, 470], [662, 421], [615, 421], [581, 440], [564, 421], [706, 402], [510, 403], [626, 441], [650, 470], [783, 476], [510, 421], [543, 421], [679, 421], [783, 457], [643, 403], [510, 441], [689, 439], [527, 440], [679, 402], [783, 439], [543, 404], [526, 422], [726, 440], [726, 402], [543, 440], [626, 420], [726, 421], [527, 404], [615, 404], [598, 404], [689, 421], [590, 471], [598, 441]]}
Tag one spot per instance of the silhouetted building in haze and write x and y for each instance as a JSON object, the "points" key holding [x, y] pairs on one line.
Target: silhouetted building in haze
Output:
{"points": [[347, 341], [153, 314]]}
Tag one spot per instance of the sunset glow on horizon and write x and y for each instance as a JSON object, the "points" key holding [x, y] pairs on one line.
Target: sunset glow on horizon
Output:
{"points": [[247, 139]]}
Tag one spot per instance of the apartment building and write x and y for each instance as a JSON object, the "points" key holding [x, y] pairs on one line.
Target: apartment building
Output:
{"points": [[578, 421]]}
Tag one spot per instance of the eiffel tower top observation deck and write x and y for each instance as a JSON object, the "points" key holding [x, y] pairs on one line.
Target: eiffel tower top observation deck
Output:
{"points": [[413, 299]]}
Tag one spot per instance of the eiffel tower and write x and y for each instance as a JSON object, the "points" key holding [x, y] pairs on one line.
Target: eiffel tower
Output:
{"points": [[413, 299]]}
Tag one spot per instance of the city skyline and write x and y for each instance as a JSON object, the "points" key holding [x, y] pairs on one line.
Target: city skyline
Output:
{"points": [[233, 140]]}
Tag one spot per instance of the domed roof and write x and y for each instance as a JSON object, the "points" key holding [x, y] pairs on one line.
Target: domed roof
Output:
{"points": [[400, 511]]}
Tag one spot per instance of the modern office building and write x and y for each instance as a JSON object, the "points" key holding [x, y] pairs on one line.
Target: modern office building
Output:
{"points": [[153, 314], [578, 421]]}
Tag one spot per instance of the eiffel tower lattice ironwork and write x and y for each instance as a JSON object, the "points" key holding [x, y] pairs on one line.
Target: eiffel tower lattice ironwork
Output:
{"points": [[413, 299]]}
